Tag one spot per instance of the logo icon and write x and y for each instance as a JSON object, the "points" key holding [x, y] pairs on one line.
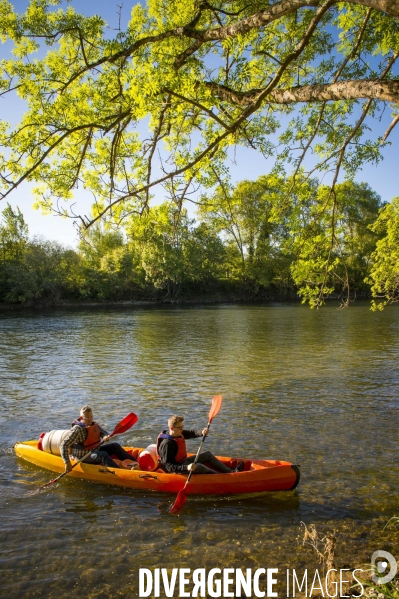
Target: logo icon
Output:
{"points": [[385, 559]]}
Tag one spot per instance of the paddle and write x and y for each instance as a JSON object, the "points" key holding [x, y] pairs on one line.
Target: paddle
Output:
{"points": [[120, 428], [181, 498]]}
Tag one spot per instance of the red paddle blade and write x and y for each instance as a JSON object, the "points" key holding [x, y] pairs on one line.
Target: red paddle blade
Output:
{"points": [[215, 407], [125, 424], [179, 503]]}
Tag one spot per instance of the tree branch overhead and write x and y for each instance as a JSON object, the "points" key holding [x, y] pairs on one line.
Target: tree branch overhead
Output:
{"points": [[89, 96]]}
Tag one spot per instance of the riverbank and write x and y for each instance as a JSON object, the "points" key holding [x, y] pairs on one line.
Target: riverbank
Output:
{"points": [[291, 298], [197, 300]]}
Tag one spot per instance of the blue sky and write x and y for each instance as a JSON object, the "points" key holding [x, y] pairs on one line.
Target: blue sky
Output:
{"points": [[247, 164]]}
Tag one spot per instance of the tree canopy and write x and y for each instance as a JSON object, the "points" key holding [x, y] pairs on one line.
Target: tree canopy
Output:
{"points": [[249, 244], [163, 102]]}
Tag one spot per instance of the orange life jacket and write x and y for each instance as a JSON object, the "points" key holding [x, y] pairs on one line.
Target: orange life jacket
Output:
{"points": [[181, 446], [93, 434]]}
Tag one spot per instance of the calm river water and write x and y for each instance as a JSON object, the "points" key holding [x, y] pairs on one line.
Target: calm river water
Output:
{"points": [[320, 389]]}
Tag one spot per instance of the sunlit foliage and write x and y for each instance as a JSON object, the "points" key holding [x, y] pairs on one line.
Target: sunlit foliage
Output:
{"points": [[159, 106]]}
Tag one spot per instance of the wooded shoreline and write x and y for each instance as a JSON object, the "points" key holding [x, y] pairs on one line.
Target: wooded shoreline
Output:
{"points": [[183, 302], [246, 250]]}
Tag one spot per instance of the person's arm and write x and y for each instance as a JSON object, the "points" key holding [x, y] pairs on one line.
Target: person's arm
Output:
{"points": [[191, 433], [167, 451], [104, 434], [78, 434]]}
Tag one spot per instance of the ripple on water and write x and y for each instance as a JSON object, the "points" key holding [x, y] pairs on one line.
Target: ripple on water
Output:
{"points": [[316, 388]]}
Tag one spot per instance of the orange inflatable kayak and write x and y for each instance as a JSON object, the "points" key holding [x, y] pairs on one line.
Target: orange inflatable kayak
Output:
{"points": [[258, 476]]}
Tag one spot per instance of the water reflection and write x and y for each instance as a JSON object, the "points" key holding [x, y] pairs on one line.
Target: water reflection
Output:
{"points": [[316, 388]]}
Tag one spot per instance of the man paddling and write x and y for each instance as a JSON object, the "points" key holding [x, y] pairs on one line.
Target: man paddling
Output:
{"points": [[85, 435], [171, 447]]}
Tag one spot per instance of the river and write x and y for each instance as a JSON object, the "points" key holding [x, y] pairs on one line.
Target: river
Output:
{"points": [[317, 388]]}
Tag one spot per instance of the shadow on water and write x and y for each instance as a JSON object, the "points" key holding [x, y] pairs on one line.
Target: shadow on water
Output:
{"points": [[85, 498]]}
